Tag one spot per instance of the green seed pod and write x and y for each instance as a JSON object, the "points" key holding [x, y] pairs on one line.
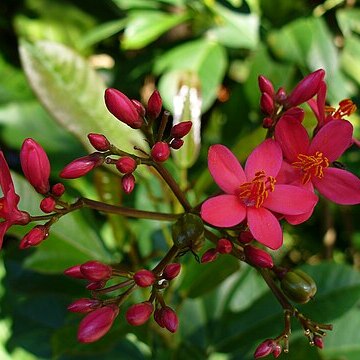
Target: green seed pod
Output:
{"points": [[188, 232], [298, 286]]}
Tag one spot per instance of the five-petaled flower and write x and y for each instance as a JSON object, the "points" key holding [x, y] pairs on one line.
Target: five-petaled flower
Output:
{"points": [[252, 193], [9, 202], [308, 162]]}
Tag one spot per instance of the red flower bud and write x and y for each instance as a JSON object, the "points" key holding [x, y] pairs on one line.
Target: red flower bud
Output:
{"points": [[81, 166], [58, 189], [144, 278], [34, 237], [264, 349], [99, 142], [123, 108], [181, 129], [47, 205], [74, 272], [84, 305], [258, 257], [158, 317], [266, 86], [96, 271], [169, 319], [318, 341], [171, 271], [126, 165], [95, 285], [209, 256], [277, 351], [267, 123], [246, 237], [306, 89], [96, 324], [35, 165], [281, 96], [160, 151], [154, 105], [176, 144], [128, 183], [266, 103], [139, 107], [224, 246], [138, 314]]}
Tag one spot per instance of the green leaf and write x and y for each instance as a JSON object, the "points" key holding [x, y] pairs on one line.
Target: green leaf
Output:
{"points": [[143, 27], [350, 58], [349, 21], [72, 92], [136, 4], [204, 58]]}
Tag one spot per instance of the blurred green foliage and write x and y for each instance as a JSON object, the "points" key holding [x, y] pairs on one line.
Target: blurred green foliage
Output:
{"points": [[57, 57]]}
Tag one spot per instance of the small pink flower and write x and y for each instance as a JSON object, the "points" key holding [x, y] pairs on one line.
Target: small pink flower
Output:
{"points": [[9, 202], [308, 162], [253, 194]]}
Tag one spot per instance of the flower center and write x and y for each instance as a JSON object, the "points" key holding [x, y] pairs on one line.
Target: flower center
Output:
{"points": [[311, 165], [346, 108], [255, 192]]}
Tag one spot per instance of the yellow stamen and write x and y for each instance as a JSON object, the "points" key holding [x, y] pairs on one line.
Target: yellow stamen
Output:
{"points": [[311, 165], [346, 108]]}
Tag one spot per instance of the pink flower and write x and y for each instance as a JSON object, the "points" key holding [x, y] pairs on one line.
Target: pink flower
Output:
{"points": [[253, 194], [308, 162], [9, 202]]}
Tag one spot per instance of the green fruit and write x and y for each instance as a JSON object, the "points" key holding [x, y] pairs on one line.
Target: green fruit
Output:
{"points": [[298, 286]]}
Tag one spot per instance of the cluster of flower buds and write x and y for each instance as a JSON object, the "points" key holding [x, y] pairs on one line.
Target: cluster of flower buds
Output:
{"points": [[223, 246]]}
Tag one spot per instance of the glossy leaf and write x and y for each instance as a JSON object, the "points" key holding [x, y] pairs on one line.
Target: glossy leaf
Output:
{"points": [[348, 20], [350, 58]]}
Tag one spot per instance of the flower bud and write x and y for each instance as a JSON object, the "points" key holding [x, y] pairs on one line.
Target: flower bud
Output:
{"points": [[96, 324], [58, 189], [306, 88], [34, 237], [138, 314], [35, 165], [318, 341], [267, 123], [144, 278], [47, 205], [123, 108], [128, 183], [171, 271], [224, 246], [96, 271], [176, 144], [209, 255], [160, 151], [154, 105], [169, 319], [74, 272], [281, 96], [181, 129], [139, 107], [266, 86], [81, 166], [246, 237], [158, 317], [126, 164], [266, 103], [99, 142], [95, 285], [277, 351], [84, 305], [298, 286], [264, 349], [258, 257]]}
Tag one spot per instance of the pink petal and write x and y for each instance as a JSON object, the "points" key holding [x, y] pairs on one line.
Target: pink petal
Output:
{"points": [[3, 228], [264, 227], [332, 139], [225, 168], [265, 157], [288, 174], [290, 200], [298, 219], [5, 177], [292, 137], [339, 186], [223, 211]]}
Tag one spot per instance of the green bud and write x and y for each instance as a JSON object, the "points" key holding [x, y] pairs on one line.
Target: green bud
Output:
{"points": [[298, 286], [188, 232]]}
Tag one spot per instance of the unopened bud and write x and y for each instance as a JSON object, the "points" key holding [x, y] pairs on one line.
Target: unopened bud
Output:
{"points": [[266, 86], [138, 314], [126, 164], [267, 123], [154, 105], [158, 317], [169, 319], [264, 349], [74, 272], [84, 305], [171, 271], [96, 324], [128, 183], [96, 285], [277, 351], [224, 246], [318, 341], [246, 237], [81, 166], [176, 144], [58, 189], [209, 255], [34, 237], [181, 129], [96, 271], [258, 257], [35, 165], [266, 103], [47, 205], [281, 96], [123, 108], [144, 278], [160, 151], [99, 142], [139, 107]]}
